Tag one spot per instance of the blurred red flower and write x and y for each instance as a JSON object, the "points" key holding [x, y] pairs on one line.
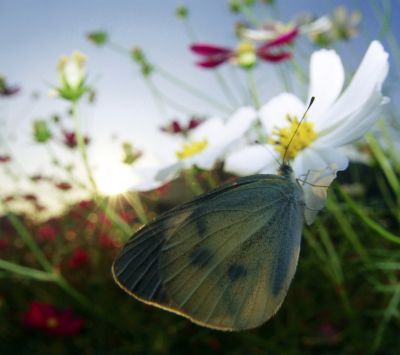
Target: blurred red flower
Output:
{"points": [[213, 56], [85, 204], [46, 232], [78, 258], [5, 158], [175, 127], [3, 244], [47, 318], [108, 242], [30, 197], [69, 139], [64, 186]]}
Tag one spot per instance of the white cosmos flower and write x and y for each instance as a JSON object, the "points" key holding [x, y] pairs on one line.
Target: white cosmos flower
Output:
{"points": [[203, 147], [334, 120]]}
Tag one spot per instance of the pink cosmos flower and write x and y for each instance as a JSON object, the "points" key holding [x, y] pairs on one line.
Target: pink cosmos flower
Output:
{"points": [[69, 139], [47, 318], [245, 54]]}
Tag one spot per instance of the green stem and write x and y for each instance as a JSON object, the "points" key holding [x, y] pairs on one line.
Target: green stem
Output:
{"points": [[253, 89], [225, 88], [30, 242], [113, 216], [249, 15], [359, 211], [96, 195], [134, 200], [384, 163], [26, 271], [190, 89], [191, 180], [352, 236], [82, 147], [157, 98]]}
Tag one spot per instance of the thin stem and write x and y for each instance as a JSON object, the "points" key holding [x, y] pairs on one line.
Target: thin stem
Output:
{"points": [[225, 87], [191, 180], [191, 89], [30, 242], [249, 14], [96, 195], [134, 200], [157, 98], [82, 147], [26, 271], [253, 89]]}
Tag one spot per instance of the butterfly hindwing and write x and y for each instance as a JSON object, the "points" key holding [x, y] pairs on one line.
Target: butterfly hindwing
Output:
{"points": [[224, 260]]}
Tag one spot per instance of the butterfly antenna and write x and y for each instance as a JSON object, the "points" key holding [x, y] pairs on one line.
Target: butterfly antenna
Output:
{"points": [[297, 128]]}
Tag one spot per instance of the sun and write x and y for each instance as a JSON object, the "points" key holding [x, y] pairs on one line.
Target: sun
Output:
{"points": [[114, 179]]}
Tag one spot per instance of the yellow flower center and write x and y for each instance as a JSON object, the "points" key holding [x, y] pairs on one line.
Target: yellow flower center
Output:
{"points": [[52, 322], [191, 148], [281, 137], [246, 54]]}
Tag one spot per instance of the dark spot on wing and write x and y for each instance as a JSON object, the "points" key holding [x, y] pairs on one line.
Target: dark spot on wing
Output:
{"points": [[236, 271], [201, 226], [200, 257]]}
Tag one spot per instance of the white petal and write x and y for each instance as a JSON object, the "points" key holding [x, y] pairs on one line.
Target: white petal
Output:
{"points": [[321, 24], [315, 191], [237, 125], [210, 129], [318, 158], [366, 83], [326, 81], [145, 179], [169, 172], [248, 160], [356, 124], [206, 159], [274, 112]]}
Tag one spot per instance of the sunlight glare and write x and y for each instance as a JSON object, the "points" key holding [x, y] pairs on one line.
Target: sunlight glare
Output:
{"points": [[114, 180]]}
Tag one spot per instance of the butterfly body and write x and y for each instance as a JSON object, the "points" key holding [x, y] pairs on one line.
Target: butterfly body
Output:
{"points": [[224, 260]]}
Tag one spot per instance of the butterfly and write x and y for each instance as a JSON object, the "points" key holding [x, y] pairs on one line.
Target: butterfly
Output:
{"points": [[224, 260]]}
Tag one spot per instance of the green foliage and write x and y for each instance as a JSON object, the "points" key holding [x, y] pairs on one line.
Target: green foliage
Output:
{"points": [[41, 131], [98, 38]]}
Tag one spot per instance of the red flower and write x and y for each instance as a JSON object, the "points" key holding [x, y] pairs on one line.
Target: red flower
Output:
{"points": [[214, 56], [107, 242], [78, 258], [46, 232], [177, 128], [6, 89], [3, 244], [84, 204], [70, 139], [267, 50], [64, 186], [5, 158], [47, 318], [30, 197], [162, 190]]}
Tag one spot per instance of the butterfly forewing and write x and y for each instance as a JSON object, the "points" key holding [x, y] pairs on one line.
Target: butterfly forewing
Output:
{"points": [[224, 260]]}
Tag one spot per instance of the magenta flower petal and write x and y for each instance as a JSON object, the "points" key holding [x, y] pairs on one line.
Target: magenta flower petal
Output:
{"points": [[283, 39], [274, 57], [209, 49], [212, 62]]}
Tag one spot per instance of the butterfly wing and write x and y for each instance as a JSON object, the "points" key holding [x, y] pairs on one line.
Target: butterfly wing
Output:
{"points": [[224, 260]]}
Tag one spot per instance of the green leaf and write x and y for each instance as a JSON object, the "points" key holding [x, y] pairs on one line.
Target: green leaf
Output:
{"points": [[41, 132], [99, 38]]}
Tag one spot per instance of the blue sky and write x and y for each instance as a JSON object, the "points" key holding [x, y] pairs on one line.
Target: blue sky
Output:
{"points": [[34, 33]]}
